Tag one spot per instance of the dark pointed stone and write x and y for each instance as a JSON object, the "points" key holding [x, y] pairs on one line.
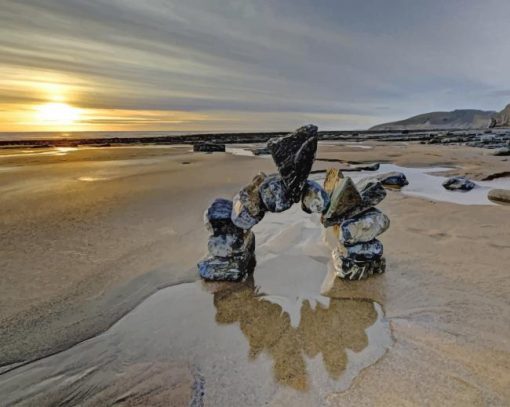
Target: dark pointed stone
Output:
{"points": [[294, 155]]}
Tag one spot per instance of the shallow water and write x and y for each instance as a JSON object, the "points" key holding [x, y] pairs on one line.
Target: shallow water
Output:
{"points": [[271, 339], [427, 183]]}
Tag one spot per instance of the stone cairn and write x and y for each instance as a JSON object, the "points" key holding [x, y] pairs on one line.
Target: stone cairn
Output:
{"points": [[348, 208]]}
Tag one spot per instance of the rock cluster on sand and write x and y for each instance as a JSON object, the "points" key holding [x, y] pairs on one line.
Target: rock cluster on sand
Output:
{"points": [[357, 223], [232, 243]]}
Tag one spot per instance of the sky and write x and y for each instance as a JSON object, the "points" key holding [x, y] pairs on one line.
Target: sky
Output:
{"points": [[239, 65]]}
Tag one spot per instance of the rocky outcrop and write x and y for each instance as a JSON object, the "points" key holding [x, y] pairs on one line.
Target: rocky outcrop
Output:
{"points": [[502, 119]]}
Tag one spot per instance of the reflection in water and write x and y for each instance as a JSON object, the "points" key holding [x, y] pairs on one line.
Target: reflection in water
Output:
{"points": [[327, 330]]}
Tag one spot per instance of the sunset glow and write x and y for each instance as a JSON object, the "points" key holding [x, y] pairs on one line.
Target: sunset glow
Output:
{"points": [[56, 114]]}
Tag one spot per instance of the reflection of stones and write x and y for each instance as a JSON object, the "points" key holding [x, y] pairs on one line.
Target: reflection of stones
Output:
{"points": [[458, 184], [324, 330]]}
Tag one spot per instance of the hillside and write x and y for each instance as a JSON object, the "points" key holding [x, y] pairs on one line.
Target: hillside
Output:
{"points": [[457, 119]]}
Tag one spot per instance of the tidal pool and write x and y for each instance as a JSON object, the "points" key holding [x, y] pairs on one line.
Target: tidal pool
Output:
{"points": [[273, 338]]}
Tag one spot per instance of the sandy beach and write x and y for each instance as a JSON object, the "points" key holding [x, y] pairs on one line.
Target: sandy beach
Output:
{"points": [[100, 301]]}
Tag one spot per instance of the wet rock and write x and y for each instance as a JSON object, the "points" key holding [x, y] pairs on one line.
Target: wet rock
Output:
{"points": [[499, 195], [209, 147], [458, 184], [314, 199], [234, 268], [274, 194], [344, 199], [247, 209], [294, 155], [363, 227], [357, 270], [231, 245], [393, 179], [333, 177], [503, 151], [371, 190], [363, 251], [363, 167], [260, 151], [217, 218]]}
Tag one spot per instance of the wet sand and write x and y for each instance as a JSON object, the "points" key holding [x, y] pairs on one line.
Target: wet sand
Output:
{"points": [[78, 255]]}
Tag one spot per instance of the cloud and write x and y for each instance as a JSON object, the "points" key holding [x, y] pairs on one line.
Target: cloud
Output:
{"points": [[296, 58]]}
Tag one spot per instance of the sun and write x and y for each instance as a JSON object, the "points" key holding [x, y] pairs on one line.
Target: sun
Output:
{"points": [[57, 114]]}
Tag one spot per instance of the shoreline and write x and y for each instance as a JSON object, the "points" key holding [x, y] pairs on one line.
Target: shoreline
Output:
{"points": [[253, 137]]}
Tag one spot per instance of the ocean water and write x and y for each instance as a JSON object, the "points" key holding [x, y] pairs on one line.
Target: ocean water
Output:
{"points": [[75, 135]]}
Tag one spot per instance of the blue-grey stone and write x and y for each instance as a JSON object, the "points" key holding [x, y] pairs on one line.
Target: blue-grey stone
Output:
{"points": [[314, 199], [294, 155], [247, 208], [274, 194], [349, 269], [230, 245], [458, 184], [363, 251], [363, 227], [217, 218], [371, 190], [234, 268], [393, 179]]}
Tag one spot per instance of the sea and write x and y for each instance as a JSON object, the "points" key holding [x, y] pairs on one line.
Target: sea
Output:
{"points": [[80, 135]]}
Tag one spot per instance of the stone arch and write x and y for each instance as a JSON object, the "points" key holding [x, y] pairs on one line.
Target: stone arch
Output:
{"points": [[348, 208]]}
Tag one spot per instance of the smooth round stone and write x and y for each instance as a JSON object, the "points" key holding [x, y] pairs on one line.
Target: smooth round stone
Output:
{"points": [[274, 194], [314, 199], [363, 227], [458, 184], [363, 251], [500, 195], [393, 179], [217, 218]]}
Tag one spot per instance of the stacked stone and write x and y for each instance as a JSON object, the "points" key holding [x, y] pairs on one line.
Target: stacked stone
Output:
{"points": [[356, 225], [232, 243]]}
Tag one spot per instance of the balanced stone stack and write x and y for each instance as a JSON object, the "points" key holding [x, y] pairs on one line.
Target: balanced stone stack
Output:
{"points": [[356, 225], [232, 243]]}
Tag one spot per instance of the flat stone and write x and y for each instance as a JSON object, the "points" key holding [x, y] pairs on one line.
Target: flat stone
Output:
{"points": [[499, 195], [356, 270], [503, 151], [458, 184], [364, 227], [247, 208], [217, 218], [294, 155], [393, 179], [314, 199], [234, 268], [231, 245], [274, 195], [344, 199], [371, 190], [209, 147], [333, 177], [367, 251]]}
